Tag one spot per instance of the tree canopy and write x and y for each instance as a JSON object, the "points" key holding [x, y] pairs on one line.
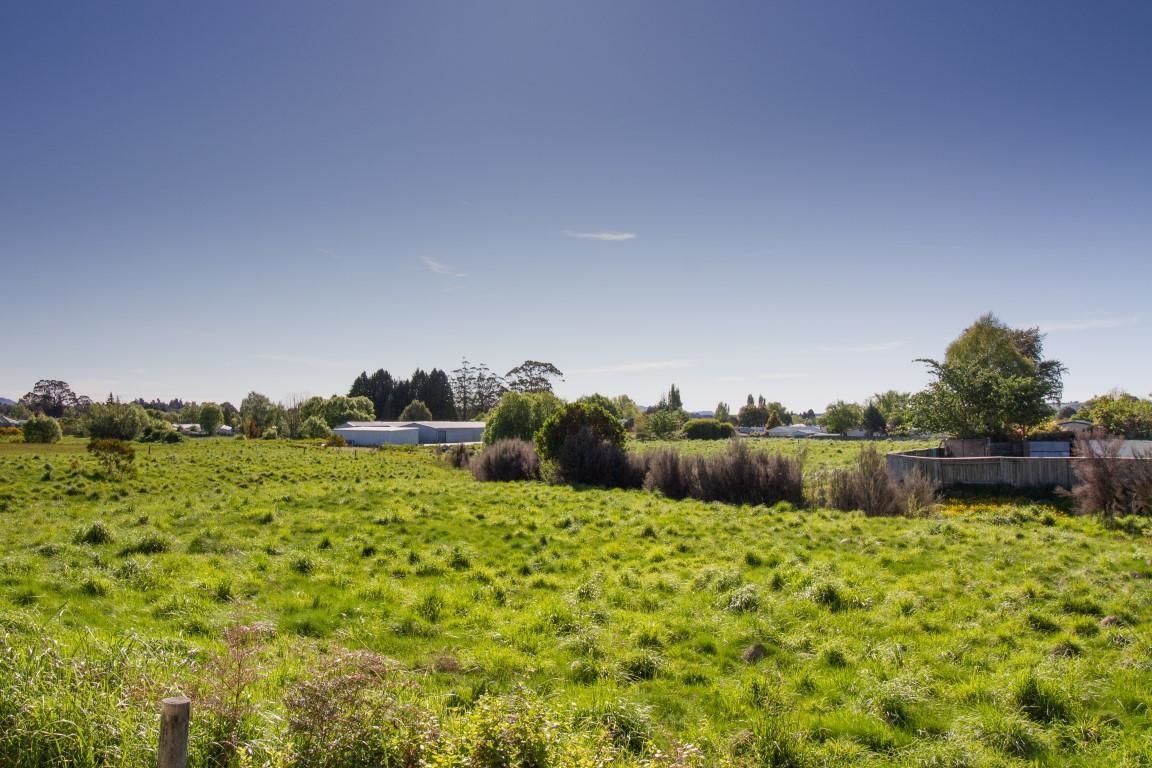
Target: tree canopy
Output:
{"points": [[211, 417], [993, 382], [416, 411], [519, 415], [533, 376], [52, 398], [839, 417]]}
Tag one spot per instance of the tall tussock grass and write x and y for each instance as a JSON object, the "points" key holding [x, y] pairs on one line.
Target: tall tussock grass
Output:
{"points": [[346, 709], [868, 487]]}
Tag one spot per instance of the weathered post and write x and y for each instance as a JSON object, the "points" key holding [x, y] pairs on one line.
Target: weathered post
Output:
{"points": [[174, 716]]}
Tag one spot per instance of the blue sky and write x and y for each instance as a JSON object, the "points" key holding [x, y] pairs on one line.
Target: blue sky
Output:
{"points": [[789, 198]]}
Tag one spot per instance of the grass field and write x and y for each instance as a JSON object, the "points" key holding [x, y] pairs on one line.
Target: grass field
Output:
{"points": [[378, 608], [819, 454]]}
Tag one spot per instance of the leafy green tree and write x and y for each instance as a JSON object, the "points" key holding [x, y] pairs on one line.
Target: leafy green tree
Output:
{"points": [[721, 413], [42, 429], [570, 420], [189, 414], [664, 424], [17, 411], [708, 429], [113, 420], [782, 416], [436, 392], [475, 389], [752, 415], [416, 411], [626, 407], [339, 409], [211, 417], [993, 382], [894, 409], [258, 413], [533, 376], [839, 417], [1120, 413], [873, 421], [52, 397], [606, 403], [519, 416], [674, 401], [314, 427]]}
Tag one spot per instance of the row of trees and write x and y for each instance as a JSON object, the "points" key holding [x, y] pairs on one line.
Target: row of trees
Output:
{"points": [[993, 381], [468, 392]]}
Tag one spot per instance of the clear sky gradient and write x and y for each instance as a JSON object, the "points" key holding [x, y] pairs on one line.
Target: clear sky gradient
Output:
{"points": [[789, 198]]}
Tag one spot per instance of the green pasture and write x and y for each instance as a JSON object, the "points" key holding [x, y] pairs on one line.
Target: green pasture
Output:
{"points": [[606, 625]]}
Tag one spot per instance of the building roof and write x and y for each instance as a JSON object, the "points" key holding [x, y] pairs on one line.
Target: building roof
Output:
{"points": [[429, 424]]}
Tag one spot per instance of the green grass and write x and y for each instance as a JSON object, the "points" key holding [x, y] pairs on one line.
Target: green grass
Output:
{"points": [[818, 454], [540, 625]]}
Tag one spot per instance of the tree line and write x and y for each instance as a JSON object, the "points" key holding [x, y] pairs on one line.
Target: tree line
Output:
{"points": [[993, 381]]}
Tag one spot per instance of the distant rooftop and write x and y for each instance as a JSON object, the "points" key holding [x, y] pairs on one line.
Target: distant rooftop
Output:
{"points": [[429, 424]]}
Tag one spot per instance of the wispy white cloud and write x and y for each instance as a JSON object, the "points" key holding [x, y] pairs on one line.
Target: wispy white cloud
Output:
{"points": [[440, 268], [1088, 325], [603, 236], [639, 366]]}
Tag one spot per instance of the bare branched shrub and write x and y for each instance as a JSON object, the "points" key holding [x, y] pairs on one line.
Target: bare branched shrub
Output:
{"points": [[507, 461], [920, 494], [359, 709], [868, 487], [740, 475], [1111, 484], [668, 473]]}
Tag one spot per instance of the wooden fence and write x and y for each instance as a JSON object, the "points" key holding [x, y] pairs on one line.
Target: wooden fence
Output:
{"points": [[1012, 471]]}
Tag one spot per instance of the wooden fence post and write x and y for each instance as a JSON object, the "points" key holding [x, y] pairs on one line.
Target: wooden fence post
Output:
{"points": [[174, 716]]}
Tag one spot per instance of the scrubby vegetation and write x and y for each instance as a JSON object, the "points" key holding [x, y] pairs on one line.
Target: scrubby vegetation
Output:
{"points": [[506, 460], [708, 429], [869, 488], [357, 607], [1110, 484], [42, 429]]}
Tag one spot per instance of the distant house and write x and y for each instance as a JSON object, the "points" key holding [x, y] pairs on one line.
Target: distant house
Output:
{"points": [[5, 421], [1075, 425], [367, 433], [795, 430]]}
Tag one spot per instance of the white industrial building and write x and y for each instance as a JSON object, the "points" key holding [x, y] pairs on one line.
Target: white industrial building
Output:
{"points": [[366, 433]]}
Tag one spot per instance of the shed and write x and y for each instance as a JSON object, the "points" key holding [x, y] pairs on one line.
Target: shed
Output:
{"points": [[424, 432], [378, 434]]}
